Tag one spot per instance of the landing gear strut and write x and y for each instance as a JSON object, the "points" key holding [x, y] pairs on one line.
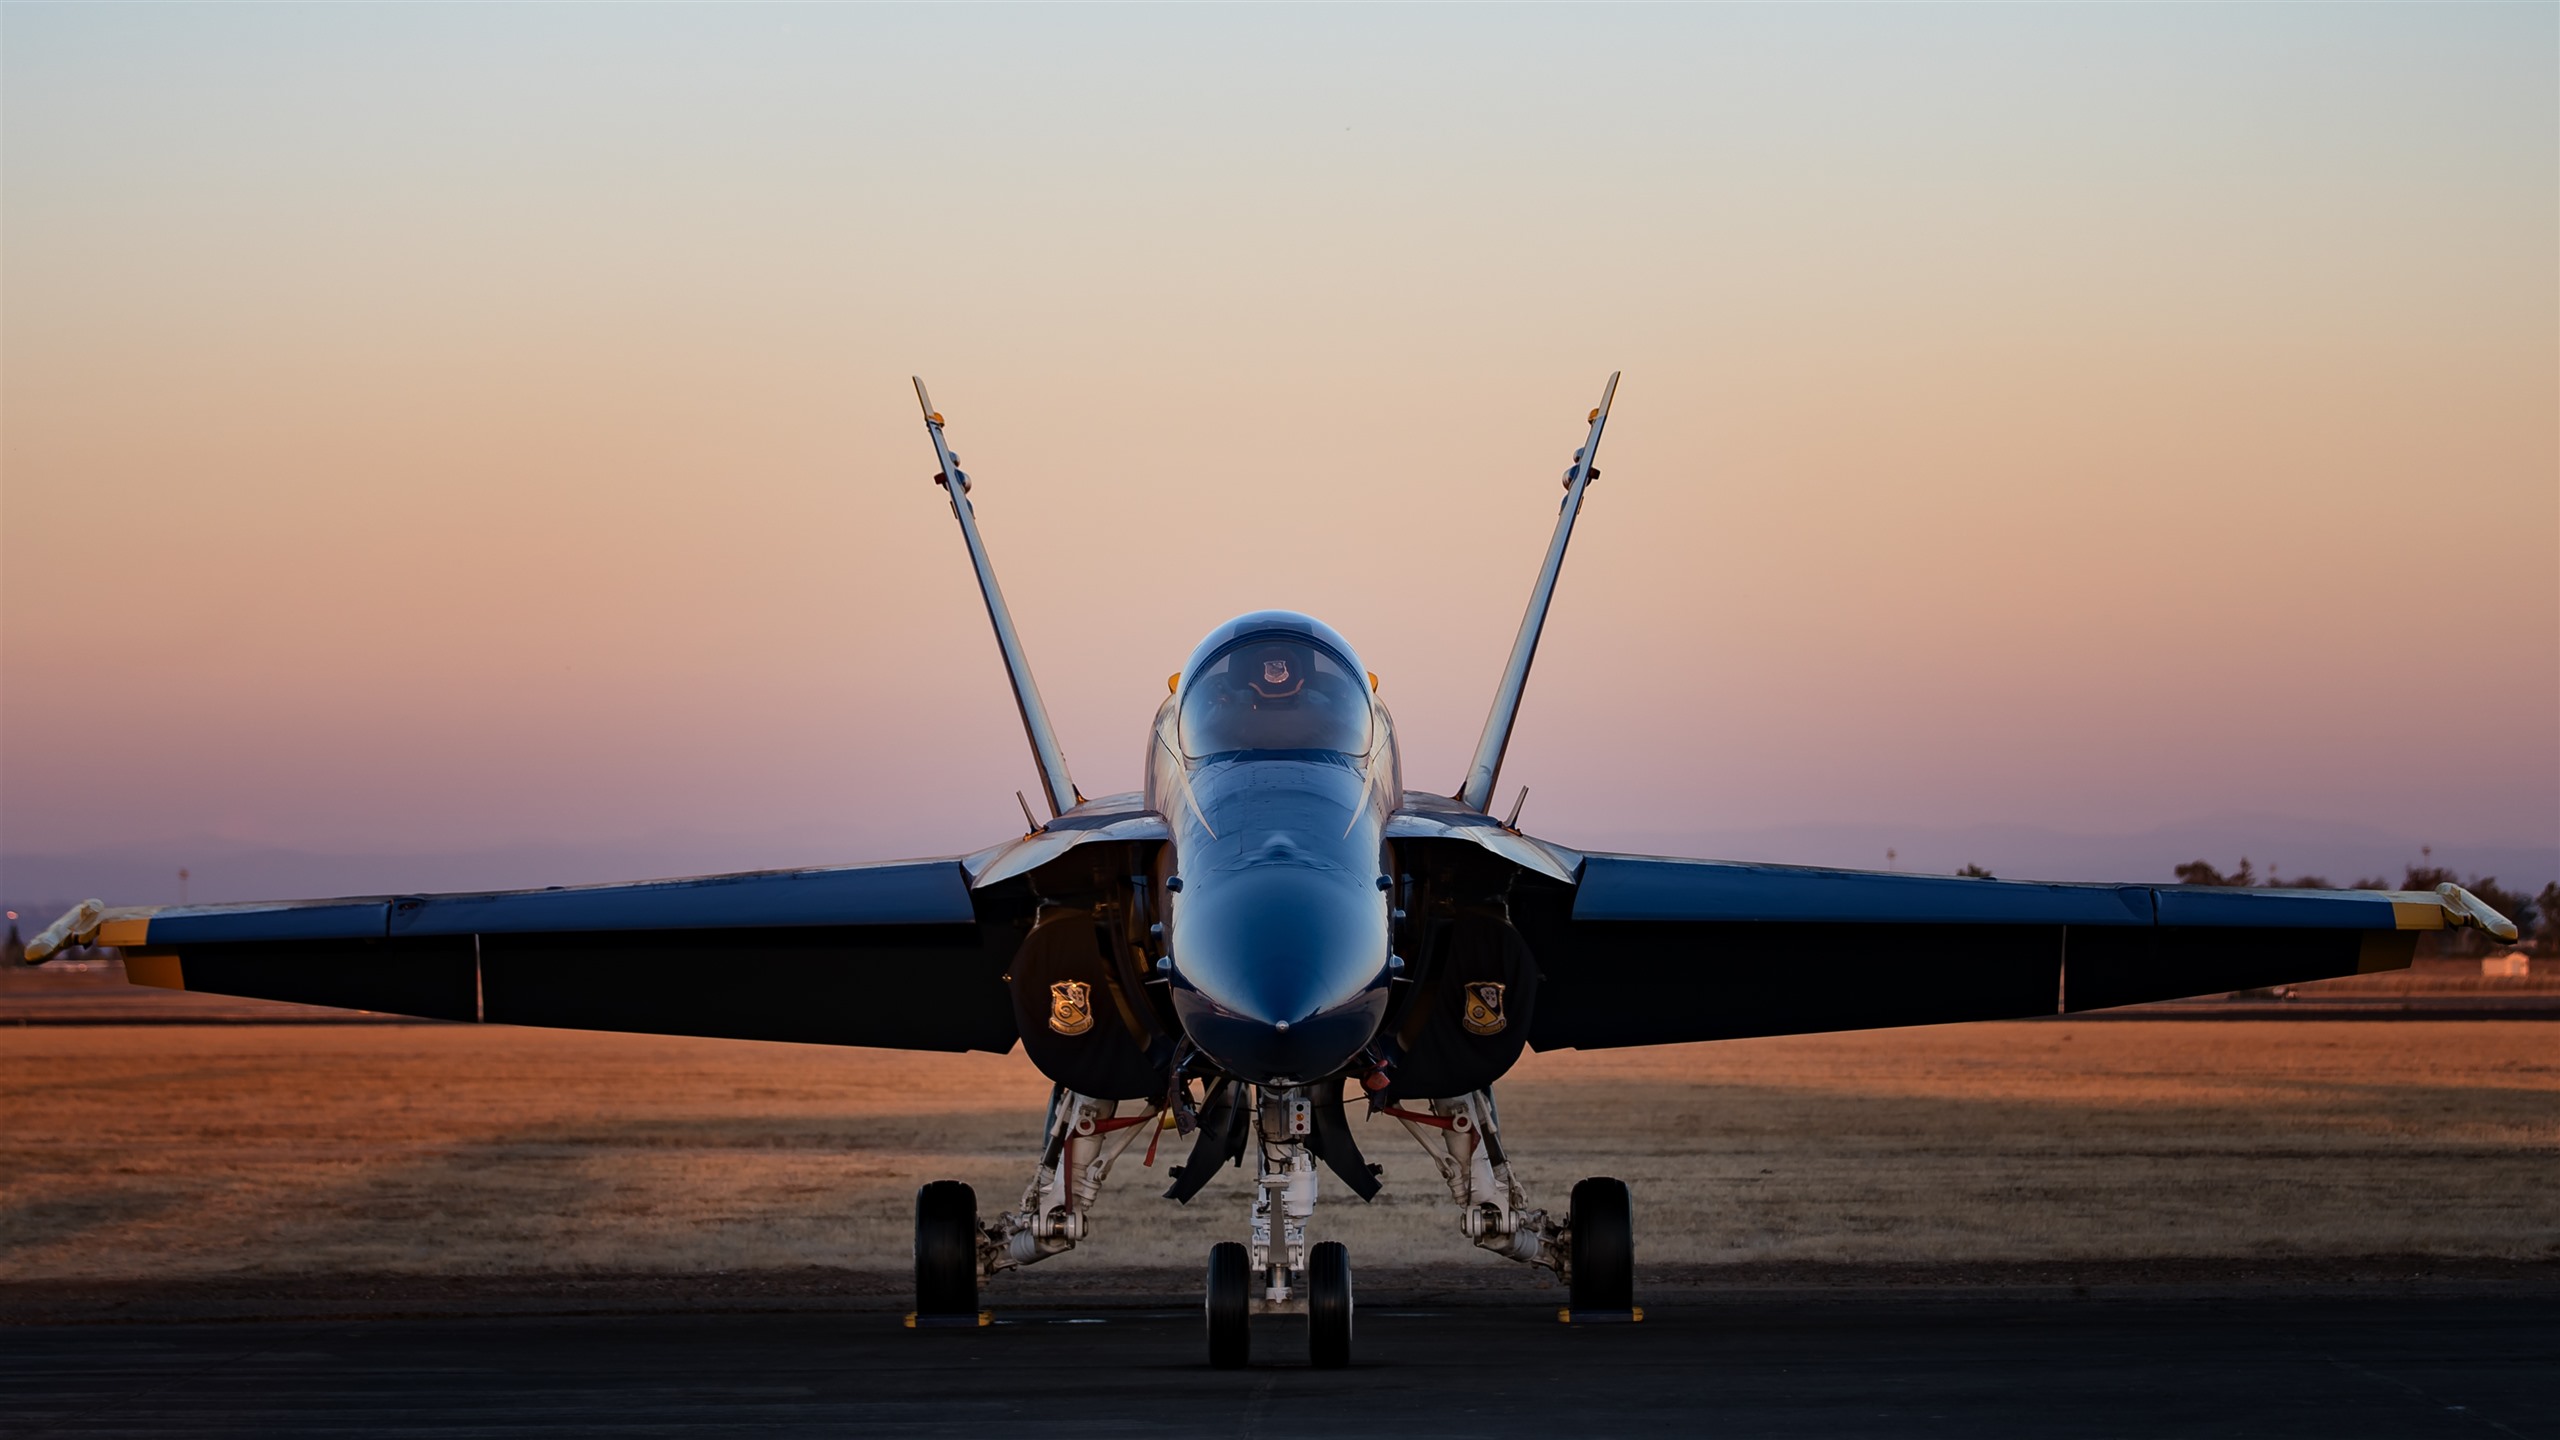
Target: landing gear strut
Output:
{"points": [[1592, 1248]]}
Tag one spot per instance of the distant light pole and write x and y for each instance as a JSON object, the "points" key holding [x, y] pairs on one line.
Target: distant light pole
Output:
{"points": [[182, 884], [1888, 857]]}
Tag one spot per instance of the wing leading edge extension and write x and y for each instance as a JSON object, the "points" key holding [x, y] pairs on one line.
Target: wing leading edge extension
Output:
{"points": [[893, 955], [1645, 951]]}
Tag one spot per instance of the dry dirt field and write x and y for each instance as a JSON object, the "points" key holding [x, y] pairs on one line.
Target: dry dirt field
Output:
{"points": [[151, 1153]]}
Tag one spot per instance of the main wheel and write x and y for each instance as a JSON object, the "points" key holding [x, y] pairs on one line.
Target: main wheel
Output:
{"points": [[1604, 1246], [1229, 1307], [946, 1249], [1329, 1306]]}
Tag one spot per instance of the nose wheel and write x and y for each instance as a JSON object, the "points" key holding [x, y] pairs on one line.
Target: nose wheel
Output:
{"points": [[1229, 1307], [1329, 1306]]}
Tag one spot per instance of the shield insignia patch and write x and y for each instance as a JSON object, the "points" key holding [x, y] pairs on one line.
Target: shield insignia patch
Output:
{"points": [[1484, 1008], [1071, 1007]]}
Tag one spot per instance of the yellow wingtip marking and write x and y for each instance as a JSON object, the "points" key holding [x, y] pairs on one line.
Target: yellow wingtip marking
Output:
{"points": [[134, 930], [2421, 915]]}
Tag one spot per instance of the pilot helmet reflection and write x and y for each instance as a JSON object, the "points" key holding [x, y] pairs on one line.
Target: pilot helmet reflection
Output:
{"points": [[1281, 676]]}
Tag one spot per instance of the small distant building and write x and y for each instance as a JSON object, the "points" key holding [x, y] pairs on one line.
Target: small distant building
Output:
{"points": [[2506, 965]]}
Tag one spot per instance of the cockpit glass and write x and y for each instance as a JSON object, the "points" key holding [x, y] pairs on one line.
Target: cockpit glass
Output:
{"points": [[1275, 692]]}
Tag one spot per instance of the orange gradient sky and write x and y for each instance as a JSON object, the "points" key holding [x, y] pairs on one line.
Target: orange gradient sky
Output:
{"points": [[431, 428]]}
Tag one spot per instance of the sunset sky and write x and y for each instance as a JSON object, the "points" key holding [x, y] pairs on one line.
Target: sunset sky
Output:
{"points": [[444, 428]]}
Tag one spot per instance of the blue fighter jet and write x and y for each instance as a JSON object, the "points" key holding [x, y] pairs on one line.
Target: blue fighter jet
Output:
{"points": [[1272, 927]]}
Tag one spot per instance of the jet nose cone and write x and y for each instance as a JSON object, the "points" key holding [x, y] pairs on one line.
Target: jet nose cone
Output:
{"points": [[1280, 970]]}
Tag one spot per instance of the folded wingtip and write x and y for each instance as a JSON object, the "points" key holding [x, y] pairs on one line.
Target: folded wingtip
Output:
{"points": [[81, 919], [2478, 911]]}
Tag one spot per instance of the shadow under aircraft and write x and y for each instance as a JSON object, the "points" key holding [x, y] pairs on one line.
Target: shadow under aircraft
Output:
{"points": [[1272, 929]]}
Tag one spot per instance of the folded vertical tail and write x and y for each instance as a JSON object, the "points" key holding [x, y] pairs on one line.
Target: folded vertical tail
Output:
{"points": [[1055, 784], [1486, 767]]}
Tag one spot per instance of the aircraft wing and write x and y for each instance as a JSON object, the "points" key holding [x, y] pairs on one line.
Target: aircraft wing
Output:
{"points": [[1644, 951], [896, 955]]}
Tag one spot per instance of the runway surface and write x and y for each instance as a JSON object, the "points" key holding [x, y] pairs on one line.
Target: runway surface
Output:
{"points": [[1863, 1363]]}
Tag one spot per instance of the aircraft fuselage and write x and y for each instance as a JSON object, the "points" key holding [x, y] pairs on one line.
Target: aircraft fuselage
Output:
{"points": [[1276, 771]]}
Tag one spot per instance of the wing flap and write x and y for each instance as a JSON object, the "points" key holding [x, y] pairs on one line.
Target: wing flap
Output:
{"points": [[434, 980], [1613, 983]]}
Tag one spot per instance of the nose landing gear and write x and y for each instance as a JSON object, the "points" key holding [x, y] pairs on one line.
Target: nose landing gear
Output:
{"points": [[1279, 1273], [1228, 1306]]}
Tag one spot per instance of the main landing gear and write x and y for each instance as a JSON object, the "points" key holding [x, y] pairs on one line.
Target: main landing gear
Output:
{"points": [[946, 1256], [1591, 1247], [1602, 1280], [956, 1252]]}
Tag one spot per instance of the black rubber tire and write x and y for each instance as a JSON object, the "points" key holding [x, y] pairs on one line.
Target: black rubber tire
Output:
{"points": [[1604, 1246], [1329, 1306], [1228, 1307], [946, 1249]]}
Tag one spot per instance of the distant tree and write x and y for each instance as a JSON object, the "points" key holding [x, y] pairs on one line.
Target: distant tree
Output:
{"points": [[2201, 872], [2537, 916], [1976, 872]]}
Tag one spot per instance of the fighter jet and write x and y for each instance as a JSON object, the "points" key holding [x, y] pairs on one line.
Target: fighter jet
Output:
{"points": [[1272, 930]]}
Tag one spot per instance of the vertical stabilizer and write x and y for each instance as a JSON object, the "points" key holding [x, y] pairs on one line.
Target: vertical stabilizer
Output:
{"points": [[1477, 792], [1055, 783]]}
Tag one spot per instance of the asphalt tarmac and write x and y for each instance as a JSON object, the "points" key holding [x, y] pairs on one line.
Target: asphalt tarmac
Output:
{"points": [[1861, 1363]]}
